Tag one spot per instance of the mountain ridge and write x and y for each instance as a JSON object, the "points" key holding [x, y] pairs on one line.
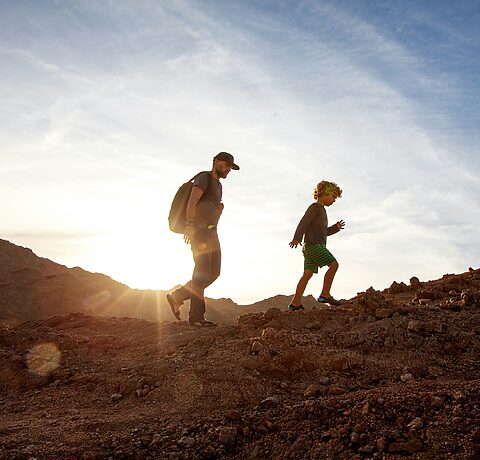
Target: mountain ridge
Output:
{"points": [[34, 287]]}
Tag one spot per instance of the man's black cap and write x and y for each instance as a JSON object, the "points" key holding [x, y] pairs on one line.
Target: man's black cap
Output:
{"points": [[228, 157]]}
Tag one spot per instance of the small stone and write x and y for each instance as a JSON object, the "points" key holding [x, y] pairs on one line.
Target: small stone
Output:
{"points": [[419, 371], [313, 390], [457, 411], [423, 301], [186, 441], [335, 390], [416, 326], [395, 288], [227, 435], [476, 436], [382, 444], [437, 402], [415, 282], [29, 449], [233, 415], [406, 377], [116, 397], [382, 313], [209, 452], [415, 424], [434, 371], [256, 347], [459, 395], [271, 401], [368, 449], [272, 313], [360, 428], [410, 446], [366, 408]]}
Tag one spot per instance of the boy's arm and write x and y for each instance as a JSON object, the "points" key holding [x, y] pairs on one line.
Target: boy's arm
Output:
{"points": [[335, 228], [303, 224]]}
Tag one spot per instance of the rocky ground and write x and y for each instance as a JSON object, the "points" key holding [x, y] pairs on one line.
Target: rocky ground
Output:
{"points": [[391, 374]]}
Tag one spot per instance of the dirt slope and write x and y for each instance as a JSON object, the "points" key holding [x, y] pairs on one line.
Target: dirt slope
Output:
{"points": [[389, 375]]}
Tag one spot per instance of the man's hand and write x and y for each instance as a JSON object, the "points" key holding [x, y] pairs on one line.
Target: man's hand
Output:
{"points": [[294, 243], [189, 234], [340, 224]]}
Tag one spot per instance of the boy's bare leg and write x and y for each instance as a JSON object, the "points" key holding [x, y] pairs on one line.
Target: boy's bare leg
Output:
{"points": [[328, 279], [301, 286]]}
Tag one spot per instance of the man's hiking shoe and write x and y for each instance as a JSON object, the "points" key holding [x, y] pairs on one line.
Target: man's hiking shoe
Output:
{"points": [[330, 300], [202, 323], [292, 307], [175, 312]]}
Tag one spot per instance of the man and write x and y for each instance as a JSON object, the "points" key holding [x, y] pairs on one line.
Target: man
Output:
{"points": [[203, 213]]}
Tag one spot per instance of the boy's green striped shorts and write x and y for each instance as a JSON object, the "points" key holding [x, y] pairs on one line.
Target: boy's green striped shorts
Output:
{"points": [[316, 255]]}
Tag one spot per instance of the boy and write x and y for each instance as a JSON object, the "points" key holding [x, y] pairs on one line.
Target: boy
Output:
{"points": [[314, 227]]}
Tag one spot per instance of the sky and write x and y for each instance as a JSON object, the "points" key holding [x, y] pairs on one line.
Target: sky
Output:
{"points": [[107, 107]]}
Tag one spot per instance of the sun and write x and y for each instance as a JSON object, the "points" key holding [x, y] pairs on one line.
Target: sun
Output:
{"points": [[144, 260]]}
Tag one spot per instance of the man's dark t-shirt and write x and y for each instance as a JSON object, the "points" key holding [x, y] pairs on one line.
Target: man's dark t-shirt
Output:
{"points": [[208, 208]]}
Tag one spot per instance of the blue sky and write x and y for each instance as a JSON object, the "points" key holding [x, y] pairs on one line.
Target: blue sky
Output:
{"points": [[107, 107]]}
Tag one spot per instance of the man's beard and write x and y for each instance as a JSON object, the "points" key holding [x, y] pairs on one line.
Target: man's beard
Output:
{"points": [[221, 173]]}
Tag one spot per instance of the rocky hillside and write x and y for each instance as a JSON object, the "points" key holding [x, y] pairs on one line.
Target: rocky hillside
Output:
{"points": [[14, 259], [389, 375], [33, 287]]}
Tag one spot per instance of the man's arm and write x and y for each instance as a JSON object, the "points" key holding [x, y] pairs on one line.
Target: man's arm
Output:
{"points": [[195, 196]]}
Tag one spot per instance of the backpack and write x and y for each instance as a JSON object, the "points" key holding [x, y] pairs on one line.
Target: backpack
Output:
{"points": [[178, 211]]}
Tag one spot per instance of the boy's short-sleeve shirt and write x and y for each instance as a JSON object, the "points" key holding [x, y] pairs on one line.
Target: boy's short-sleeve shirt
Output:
{"points": [[208, 208]]}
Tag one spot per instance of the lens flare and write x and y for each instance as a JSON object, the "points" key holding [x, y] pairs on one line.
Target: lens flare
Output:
{"points": [[97, 300], [43, 358]]}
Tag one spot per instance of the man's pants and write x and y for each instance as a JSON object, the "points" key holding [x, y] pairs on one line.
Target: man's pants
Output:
{"points": [[207, 257]]}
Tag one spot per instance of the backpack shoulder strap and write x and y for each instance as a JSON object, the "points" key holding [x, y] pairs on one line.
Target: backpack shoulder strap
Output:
{"points": [[210, 175]]}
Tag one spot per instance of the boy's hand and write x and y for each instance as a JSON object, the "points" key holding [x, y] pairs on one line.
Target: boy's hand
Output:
{"points": [[340, 224], [294, 243]]}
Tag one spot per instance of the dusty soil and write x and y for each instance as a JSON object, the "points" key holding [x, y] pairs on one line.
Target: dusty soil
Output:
{"points": [[387, 375]]}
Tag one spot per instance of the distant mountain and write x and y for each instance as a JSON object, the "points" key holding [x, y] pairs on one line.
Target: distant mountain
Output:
{"points": [[33, 287], [15, 258]]}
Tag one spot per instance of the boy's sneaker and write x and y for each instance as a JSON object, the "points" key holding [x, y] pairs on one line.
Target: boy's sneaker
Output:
{"points": [[292, 307], [329, 299]]}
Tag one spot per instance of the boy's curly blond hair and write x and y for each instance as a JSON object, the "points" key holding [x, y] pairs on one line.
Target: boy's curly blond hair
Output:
{"points": [[327, 188]]}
